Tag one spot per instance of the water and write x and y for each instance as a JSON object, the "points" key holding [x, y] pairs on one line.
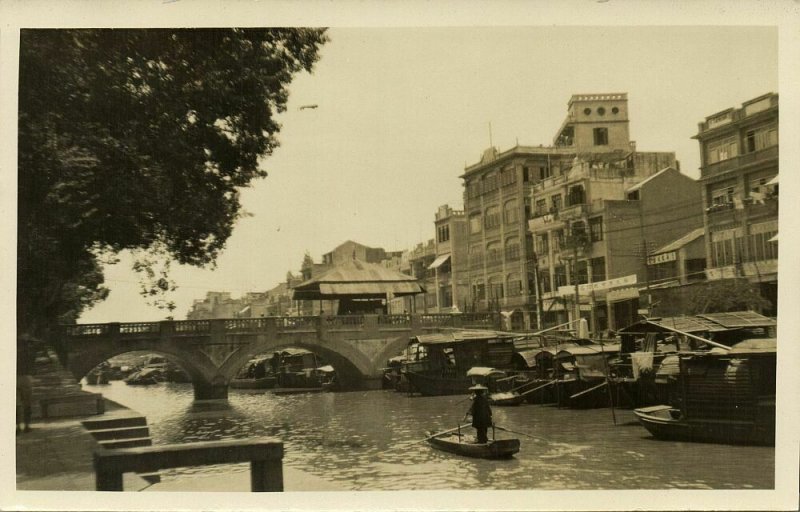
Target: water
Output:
{"points": [[371, 441]]}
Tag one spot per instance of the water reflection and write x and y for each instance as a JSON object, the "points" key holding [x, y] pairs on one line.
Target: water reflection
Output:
{"points": [[372, 441]]}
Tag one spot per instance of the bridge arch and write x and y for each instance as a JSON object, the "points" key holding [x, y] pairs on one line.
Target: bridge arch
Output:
{"points": [[351, 365], [201, 370]]}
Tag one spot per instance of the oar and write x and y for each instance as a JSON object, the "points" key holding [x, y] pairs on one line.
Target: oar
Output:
{"points": [[539, 387], [524, 434], [604, 383], [445, 432]]}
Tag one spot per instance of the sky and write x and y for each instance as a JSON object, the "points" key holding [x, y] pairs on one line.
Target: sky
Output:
{"points": [[402, 111]]}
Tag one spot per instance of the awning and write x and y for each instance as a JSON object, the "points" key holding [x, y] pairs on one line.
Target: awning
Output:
{"points": [[774, 238], [403, 288], [438, 262], [773, 181]]}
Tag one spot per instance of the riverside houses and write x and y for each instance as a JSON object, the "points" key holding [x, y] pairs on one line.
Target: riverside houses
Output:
{"points": [[739, 176], [500, 199]]}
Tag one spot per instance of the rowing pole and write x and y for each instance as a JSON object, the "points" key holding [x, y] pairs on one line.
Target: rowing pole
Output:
{"points": [[524, 434]]}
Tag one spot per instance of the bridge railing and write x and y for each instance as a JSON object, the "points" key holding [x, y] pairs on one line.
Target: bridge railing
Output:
{"points": [[286, 324], [343, 321]]}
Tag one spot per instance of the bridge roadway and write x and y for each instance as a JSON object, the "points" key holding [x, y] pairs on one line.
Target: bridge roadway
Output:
{"points": [[211, 352]]}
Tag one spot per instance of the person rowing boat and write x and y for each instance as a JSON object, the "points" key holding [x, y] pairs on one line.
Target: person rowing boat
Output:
{"points": [[481, 413]]}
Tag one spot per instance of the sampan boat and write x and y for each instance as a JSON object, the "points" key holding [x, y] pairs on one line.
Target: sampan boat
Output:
{"points": [[465, 445]]}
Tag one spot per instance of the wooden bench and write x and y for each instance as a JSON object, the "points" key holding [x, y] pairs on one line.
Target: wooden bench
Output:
{"points": [[264, 454]]}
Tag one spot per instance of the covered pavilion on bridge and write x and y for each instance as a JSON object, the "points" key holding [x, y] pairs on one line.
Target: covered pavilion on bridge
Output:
{"points": [[358, 287]]}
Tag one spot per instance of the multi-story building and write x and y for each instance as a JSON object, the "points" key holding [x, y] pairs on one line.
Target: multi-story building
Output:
{"points": [[738, 172], [507, 189], [597, 224], [450, 280], [417, 262]]}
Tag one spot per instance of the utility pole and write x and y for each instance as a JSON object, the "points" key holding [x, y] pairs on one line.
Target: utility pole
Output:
{"points": [[645, 256]]}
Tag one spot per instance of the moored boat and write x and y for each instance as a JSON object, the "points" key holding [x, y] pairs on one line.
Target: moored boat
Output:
{"points": [[437, 364], [664, 422], [726, 396], [463, 444]]}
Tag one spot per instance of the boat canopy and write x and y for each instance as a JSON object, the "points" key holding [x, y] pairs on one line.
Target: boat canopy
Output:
{"points": [[709, 322], [754, 346], [528, 357], [444, 338], [483, 371]]}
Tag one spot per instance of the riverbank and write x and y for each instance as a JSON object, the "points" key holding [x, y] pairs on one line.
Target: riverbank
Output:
{"points": [[56, 455]]}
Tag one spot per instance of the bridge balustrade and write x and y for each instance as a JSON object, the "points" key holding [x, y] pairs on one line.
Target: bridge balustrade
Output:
{"points": [[87, 329], [248, 324], [299, 323], [344, 322], [395, 320], [140, 328], [192, 326]]}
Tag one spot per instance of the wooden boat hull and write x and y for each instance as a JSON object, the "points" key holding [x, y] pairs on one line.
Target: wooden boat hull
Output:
{"points": [[664, 422], [497, 449], [295, 391], [262, 383], [506, 399], [438, 386]]}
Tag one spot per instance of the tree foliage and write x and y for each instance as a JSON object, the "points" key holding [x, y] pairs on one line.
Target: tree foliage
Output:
{"points": [[726, 295], [139, 139]]}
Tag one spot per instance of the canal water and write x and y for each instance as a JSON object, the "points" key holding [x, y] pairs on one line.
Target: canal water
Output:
{"points": [[372, 441]]}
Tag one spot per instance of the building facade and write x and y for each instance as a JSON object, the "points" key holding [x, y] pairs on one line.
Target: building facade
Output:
{"points": [[521, 204], [450, 280], [738, 172]]}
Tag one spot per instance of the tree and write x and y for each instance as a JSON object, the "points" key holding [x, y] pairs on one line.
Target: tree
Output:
{"points": [[726, 295], [139, 140]]}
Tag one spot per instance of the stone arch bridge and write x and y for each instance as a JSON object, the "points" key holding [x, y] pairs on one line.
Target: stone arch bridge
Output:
{"points": [[213, 351]]}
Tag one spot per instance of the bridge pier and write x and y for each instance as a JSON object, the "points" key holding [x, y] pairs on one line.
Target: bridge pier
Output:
{"points": [[208, 391]]}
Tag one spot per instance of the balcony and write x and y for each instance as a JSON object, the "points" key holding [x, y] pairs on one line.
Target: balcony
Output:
{"points": [[717, 168], [574, 211]]}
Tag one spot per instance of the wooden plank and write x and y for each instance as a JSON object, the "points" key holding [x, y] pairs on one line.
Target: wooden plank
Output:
{"points": [[264, 454]]}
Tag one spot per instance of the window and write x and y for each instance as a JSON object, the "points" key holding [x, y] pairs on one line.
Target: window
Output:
{"points": [[558, 239], [576, 195], [596, 229], [473, 189], [540, 208], [443, 233], [761, 138], [542, 244], [508, 177], [600, 136], [490, 182], [598, 269], [556, 202], [560, 276], [722, 196], [510, 213], [525, 174], [479, 291], [495, 289], [512, 249], [475, 223], [493, 253], [492, 217], [722, 149], [544, 281], [514, 286], [544, 172], [582, 272], [475, 255], [528, 209]]}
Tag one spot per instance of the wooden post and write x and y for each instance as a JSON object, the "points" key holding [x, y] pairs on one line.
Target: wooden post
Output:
{"points": [[266, 476]]}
